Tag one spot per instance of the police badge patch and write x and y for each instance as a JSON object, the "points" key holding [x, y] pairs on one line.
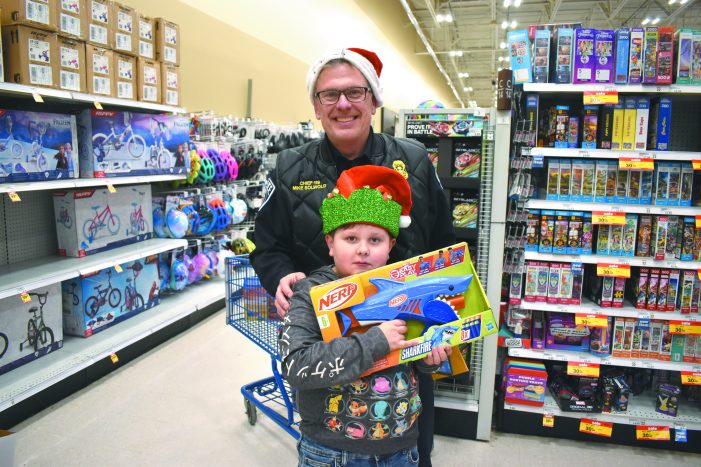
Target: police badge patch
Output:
{"points": [[268, 190]]}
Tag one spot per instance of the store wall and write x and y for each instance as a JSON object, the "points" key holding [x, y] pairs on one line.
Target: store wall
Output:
{"points": [[272, 42]]}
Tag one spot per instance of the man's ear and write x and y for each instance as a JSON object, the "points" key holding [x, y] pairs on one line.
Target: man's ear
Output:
{"points": [[329, 244]]}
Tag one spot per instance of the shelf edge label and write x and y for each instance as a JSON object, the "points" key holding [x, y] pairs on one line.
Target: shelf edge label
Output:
{"points": [[613, 270], [635, 163], [591, 320], [608, 217], [595, 427], [652, 433], [583, 369], [600, 97]]}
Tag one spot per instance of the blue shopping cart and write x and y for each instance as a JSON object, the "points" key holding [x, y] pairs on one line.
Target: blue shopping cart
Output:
{"points": [[251, 311]]}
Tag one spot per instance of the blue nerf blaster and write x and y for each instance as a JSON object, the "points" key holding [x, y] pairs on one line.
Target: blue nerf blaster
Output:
{"points": [[420, 300]]}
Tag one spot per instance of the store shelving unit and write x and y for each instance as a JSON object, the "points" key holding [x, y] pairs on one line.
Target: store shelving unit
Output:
{"points": [[85, 183], [527, 419]]}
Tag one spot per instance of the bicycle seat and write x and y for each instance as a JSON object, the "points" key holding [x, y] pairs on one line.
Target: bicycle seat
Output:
{"points": [[33, 309]]}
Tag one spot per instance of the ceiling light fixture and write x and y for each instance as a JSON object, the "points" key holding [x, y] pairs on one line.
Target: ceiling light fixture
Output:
{"points": [[502, 45], [464, 75], [501, 59], [513, 24], [656, 20], [645, 21], [507, 3], [672, 2], [504, 24], [455, 53], [517, 3], [682, 2]]}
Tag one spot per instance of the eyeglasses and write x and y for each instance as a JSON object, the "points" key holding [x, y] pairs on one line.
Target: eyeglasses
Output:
{"points": [[354, 94]]}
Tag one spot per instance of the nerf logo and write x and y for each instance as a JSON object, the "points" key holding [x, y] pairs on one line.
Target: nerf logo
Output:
{"points": [[337, 296], [398, 300]]}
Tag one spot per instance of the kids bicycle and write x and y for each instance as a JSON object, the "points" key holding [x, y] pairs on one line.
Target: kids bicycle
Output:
{"points": [[132, 299], [109, 294], [104, 144], [102, 220], [39, 335], [64, 218], [136, 220], [37, 156], [159, 156], [10, 143], [3, 344]]}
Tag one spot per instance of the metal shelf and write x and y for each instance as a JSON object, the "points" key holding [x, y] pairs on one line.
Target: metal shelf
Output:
{"points": [[571, 356], [589, 307], [79, 353], [621, 88], [630, 260], [40, 272], [461, 183], [13, 89], [641, 411], [611, 154], [615, 207], [86, 182]]}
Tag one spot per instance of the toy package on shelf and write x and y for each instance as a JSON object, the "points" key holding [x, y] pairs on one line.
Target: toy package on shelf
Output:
{"points": [[563, 55], [563, 334], [115, 144], [603, 57], [622, 55], [93, 220], [683, 39], [36, 146], [96, 301], [30, 330], [650, 40], [635, 72], [584, 56], [407, 291], [465, 208], [572, 393], [541, 56], [467, 154], [665, 55], [520, 56], [524, 382]]}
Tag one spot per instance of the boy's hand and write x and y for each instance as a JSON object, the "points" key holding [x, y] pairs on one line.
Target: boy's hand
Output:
{"points": [[395, 332], [284, 292], [438, 355]]}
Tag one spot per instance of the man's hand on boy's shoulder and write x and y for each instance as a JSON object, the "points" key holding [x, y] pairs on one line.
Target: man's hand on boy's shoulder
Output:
{"points": [[395, 332], [284, 292], [438, 355]]}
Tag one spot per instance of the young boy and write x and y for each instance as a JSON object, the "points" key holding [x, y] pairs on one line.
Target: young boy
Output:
{"points": [[346, 418]]}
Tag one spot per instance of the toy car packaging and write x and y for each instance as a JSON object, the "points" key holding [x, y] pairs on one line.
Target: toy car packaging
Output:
{"points": [[438, 294]]}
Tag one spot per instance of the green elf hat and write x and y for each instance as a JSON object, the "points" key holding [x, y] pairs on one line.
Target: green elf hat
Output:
{"points": [[368, 194]]}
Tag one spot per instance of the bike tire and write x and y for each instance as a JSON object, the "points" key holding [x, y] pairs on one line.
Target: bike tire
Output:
{"points": [[16, 149], [136, 146], [164, 159], [3, 344], [115, 298], [45, 338], [113, 224], [32, 333], [90, 230], [91, 307], [68, 223], [42, 163], [100, 149], [76, 300], [138, 303]]}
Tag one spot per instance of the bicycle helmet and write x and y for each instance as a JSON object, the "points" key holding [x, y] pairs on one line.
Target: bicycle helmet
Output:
{"points": [[193, 218], [238, 210], [178, 279], [159, 223], [176, 223], [222, 219], [163, 273], [221, 170], [194, 167], [201, 262], [207, 220], [206, 173], [213, 260], [231, 164]]}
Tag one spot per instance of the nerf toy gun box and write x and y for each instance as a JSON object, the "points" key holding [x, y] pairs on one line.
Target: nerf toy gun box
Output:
{"points": [[438, 294], [93, 220], [118, 144], [96, 301], [37, 146]]}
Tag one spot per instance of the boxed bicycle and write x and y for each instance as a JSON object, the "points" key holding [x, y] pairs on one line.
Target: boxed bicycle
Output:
{"points": [[96, 301], [37, 146], [30, 330], [118, 144], [93, 219]]}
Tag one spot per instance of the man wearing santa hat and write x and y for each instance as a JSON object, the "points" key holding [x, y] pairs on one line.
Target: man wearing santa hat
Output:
{"points": [[344, 88]]}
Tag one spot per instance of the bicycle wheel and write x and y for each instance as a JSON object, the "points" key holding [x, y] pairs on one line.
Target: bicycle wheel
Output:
{"points": [[32, 333], [136, 145], [41, 162], [90, 230], [99, 146], [112, 224], [138, 302], [92, 307], [45, 338], [76, 300], [164, 159], [68, 222], [115, 298], [3, 344], [16, 149]]}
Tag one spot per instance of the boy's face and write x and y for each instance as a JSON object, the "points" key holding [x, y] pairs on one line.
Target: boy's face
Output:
{"points": [[358, 248]]}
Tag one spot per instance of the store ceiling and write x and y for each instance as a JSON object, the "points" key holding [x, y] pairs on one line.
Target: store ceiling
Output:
{"points": [[476, 31]]}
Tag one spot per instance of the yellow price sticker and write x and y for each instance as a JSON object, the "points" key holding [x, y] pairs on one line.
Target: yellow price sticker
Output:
{"points": [[591, 320], [608, 217], [24, 296], [613, 270], [698, 273], [37, 98], [652, 433], [692, 378], [595, 427], [111, 188], [698, 222], [97, 105], [600, 97], [14, 197], [583, 369], [635, 163], [118, 268], [114, 358], [684, 327], [696, 164], [548, 420]]}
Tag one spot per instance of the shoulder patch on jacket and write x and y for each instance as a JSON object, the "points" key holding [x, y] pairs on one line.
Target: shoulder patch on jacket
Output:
{"points": [[268, 190]]}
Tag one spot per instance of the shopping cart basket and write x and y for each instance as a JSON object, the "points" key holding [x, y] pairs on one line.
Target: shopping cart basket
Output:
{"points": [[251, 311]]}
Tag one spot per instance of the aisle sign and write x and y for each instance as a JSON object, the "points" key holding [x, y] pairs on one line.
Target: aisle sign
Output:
{"points": [[608, 217], [684, 327], [14, 197], [591, 320], [583, 369], [548, 420], [696, 164], [692, 378], [652, 433], [635, 163], [595, 427], [600, 97], [613, 270]]}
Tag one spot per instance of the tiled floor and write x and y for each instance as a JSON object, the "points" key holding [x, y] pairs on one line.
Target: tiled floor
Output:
{"points": [[180, 405]]}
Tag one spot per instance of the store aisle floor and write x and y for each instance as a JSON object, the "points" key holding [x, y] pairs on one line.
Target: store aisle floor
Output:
{"points": [[180, 405]]}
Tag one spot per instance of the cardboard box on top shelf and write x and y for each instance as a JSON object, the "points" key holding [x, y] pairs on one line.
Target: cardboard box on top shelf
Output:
{"points": [[125, 36], [40, 14], [31, 56], [100, 71], [72, 65], [167, 42], [147, 37], [149, 80], [100, 23], [73, 19], [125, 74], [170, 84]]}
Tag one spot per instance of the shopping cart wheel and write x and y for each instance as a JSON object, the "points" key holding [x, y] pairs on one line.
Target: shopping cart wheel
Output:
{"points": [[251, 411]]}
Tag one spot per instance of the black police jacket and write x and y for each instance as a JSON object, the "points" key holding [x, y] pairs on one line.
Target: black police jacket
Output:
{"points": [[288, 228]]}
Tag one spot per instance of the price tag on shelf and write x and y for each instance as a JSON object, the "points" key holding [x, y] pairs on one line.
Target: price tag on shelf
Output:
{"points": [[583, 369], [14, 197], [97, 105], [118, 268], [37, 97], [696, 164], [548, 420], [114, 358], [24, 296], [680, 434], [692, 378], [600, 97], [635, 163], [613, 270], [608, 217], [684, 327], [595, 427], [591, 320], [111, 188], [652, 433]]}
